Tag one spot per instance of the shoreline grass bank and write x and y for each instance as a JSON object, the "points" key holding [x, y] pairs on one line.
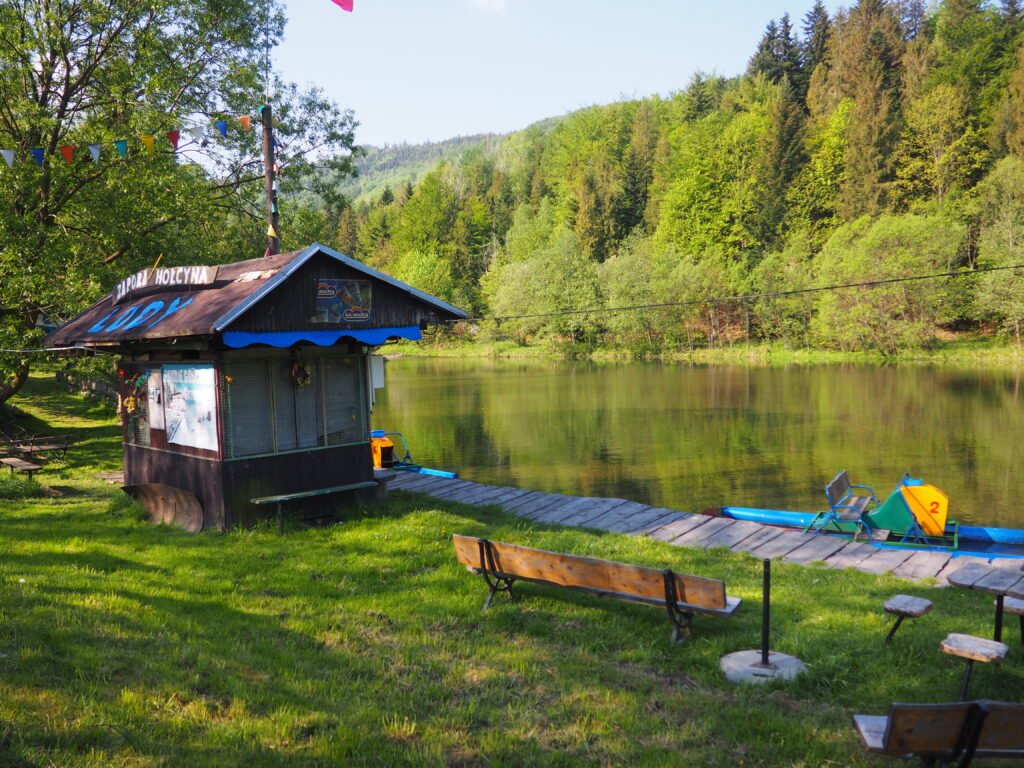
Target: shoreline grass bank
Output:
{"points": [[125, 644], [959, 352]]}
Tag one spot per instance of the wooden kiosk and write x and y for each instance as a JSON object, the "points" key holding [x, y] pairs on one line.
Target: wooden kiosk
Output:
{"points": [[251, 380]]}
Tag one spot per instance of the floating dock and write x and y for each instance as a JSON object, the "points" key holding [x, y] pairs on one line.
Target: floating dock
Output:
{"points": [[698, 531]]}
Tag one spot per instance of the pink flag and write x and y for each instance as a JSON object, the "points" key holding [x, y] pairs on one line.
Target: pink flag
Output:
{"points": [[345, 5]]}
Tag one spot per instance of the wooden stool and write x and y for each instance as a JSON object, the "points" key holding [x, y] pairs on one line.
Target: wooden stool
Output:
{"points": [[972, 649], [905, 606], [1013, 605]]}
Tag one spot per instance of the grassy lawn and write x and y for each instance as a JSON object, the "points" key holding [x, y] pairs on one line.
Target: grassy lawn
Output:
{"points": [[126, 644]]}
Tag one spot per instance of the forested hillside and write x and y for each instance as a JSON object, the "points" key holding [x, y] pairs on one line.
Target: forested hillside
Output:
{"points": [[882, 142], [400, 165]]}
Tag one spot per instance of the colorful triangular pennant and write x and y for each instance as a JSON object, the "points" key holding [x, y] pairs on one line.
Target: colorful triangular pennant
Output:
{"points": [[147, 142], [197, 132], [68, 150], [8, 155], [222, 126], [173, 136], [271, 232], [246, 121], [94, 150], [37, 153], [122, 147]]}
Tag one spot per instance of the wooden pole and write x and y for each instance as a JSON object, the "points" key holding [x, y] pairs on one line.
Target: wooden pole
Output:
{"points": [[273, 232]]}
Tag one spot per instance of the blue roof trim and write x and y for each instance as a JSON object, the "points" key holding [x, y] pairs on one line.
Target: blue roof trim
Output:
{"points": [[305, 256], [283, 339]]}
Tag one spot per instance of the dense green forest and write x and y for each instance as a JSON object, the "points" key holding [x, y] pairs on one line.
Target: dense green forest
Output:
{"points": [[400, 165], [881, 142]]}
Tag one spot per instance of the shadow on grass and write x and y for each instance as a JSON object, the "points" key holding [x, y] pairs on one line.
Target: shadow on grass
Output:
{"points": [[364, 644]]}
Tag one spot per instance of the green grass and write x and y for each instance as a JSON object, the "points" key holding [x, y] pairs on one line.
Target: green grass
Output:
{"points": [[965, 350], [126, 644]]}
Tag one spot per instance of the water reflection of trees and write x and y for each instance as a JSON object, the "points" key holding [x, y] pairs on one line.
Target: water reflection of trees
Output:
{"points": [[691, 437]]}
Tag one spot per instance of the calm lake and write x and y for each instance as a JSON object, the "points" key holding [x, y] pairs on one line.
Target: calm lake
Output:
{"points": [[690, 437]]}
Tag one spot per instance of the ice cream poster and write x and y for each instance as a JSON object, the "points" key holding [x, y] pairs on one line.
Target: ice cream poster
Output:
{"points": [[190, 405], [343, 301]]}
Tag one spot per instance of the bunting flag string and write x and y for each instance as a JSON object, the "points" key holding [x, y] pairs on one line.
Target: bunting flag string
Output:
{"points": [[148, 141]]}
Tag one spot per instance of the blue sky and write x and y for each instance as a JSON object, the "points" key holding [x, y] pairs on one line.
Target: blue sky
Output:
{"points": [[428, 70]]}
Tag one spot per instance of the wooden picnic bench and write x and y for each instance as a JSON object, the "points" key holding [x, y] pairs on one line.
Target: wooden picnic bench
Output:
{"points": [[55, 446], [14, 463], [680, 594], [281, 498], [944, 734]]}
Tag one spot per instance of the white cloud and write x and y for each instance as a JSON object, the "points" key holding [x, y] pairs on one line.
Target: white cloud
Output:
{"points": [[497, 7]]}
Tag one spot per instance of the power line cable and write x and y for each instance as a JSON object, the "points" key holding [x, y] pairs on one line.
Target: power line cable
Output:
{"points": [[745, 297]]}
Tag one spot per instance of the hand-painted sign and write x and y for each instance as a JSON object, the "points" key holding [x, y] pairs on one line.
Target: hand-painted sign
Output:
{"points": [[133, 316], [190, 405], [164, 276], [343, 301]]}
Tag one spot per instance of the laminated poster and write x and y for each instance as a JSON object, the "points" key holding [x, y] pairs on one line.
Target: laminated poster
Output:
{"points": [[155, 398], [190, 405], [343, 301]]}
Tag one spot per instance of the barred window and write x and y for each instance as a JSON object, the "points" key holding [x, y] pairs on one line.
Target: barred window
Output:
{"points": [[283, 404]]}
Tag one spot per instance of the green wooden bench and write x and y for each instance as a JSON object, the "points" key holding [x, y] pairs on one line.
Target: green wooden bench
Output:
{"points": [[281, 498], [680, 594], [944, 734]]}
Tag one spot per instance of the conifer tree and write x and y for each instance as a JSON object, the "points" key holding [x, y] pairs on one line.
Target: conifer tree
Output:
{"points": [[865, 54], [813, 47], [699, 96], [765, 61], [781, 157]]}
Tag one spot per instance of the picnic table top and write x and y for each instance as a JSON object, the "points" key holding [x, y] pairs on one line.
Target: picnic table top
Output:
{"points": [[991, 579]]}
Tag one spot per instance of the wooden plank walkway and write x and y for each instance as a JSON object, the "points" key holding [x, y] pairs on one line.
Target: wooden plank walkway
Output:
{"points": [[687, 530]]}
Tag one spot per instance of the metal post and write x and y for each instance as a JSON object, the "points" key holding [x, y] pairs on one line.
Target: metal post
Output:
{"points": [[766, 611], [273, 233]]}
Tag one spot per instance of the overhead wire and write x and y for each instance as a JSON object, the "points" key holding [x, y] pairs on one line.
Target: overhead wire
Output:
{"points": [[744, 297]]}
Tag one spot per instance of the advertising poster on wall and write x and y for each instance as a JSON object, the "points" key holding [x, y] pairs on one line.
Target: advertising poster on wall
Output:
{"points": [[343, 301], [190, 405]]}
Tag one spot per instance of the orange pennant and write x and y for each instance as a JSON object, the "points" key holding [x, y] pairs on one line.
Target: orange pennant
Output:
{"points": [[68, 151], [246, 122]]}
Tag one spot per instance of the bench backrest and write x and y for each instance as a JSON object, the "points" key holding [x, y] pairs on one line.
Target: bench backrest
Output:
{"points": [[589, 573], [837, 489], [935, 729]]}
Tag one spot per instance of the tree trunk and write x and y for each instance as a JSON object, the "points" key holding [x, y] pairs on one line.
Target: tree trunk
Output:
{"points": [[14, 382]]}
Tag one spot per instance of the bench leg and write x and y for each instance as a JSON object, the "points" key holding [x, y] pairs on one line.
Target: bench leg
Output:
{"points": [[498, 585], [681, 622], [967, 680], [899, 620], [680, 619], [998, 634], [488, 569]]}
